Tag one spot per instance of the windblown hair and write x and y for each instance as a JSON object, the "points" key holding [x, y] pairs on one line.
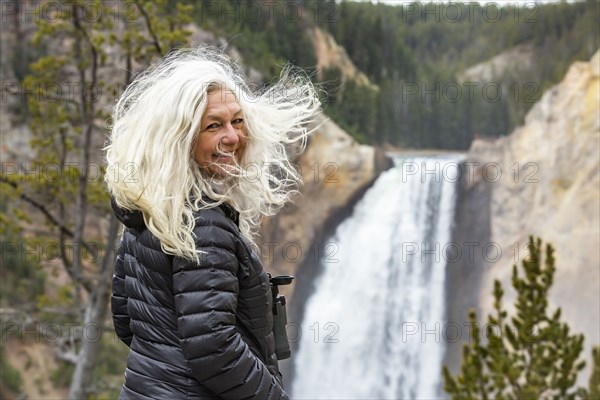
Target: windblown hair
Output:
{"points": [[156, 124]]}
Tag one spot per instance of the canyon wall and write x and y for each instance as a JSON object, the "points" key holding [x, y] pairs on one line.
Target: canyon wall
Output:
{"points": [[543, 180]]}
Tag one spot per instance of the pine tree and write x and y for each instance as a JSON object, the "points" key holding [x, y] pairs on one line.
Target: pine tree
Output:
{"points": [[594, 385], [532, 355]]}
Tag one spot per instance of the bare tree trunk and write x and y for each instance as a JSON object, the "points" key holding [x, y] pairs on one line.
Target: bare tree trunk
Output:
{"points": [[86, 112], [94, 321], [95, 310]]}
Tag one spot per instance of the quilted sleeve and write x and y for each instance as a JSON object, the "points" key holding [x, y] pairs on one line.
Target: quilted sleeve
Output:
{"points": [[119, 298], [205, 302]]}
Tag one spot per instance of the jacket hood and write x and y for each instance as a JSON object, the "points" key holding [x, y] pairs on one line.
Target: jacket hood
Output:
{"points": [[131, 219]]}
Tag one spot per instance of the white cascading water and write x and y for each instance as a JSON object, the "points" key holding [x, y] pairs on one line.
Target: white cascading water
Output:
{"points": [[373, 328]]}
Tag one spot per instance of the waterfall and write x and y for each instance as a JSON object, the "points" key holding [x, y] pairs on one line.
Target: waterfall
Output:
{"points": [[373, 328]]}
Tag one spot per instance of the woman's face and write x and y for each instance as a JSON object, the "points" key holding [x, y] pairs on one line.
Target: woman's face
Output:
{"points": [[222, 139]]}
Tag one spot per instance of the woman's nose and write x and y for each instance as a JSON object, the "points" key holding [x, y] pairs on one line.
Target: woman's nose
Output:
{"points": [[231, 136]]}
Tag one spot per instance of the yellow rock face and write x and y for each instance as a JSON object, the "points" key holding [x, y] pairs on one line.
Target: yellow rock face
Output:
{"points": [[559, 147]]}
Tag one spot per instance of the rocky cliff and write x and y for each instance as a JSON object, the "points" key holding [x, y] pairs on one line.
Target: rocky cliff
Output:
{"points": [[543, 180], [331, 55], [513, 62]]}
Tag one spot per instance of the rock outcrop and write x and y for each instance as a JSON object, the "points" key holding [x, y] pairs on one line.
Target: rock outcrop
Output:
{"points": [[512, 62], [543, 180], [331, 55]]}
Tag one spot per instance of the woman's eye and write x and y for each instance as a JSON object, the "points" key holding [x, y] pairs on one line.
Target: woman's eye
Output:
{"points": [[212, 126], [237, 121]]}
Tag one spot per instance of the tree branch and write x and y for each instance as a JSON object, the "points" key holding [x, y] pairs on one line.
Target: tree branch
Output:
{"points": [[44, 210], [155, 40], [63, 230]]}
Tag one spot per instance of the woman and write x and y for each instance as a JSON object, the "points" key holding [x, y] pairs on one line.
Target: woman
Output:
{"points": [[196, 158]]}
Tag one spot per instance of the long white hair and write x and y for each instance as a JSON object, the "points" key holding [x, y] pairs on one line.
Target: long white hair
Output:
{"points": [[156, 124]]}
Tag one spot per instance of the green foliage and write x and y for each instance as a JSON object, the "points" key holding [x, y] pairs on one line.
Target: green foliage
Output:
{"points": [[22, 277], [9, 376], [356, 110], [268, 35], [352, 105], [331, 84], [61, 375], [594, 386], [532, 355]]}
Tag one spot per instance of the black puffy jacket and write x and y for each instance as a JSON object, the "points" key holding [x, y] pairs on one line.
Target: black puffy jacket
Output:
{"points": [[194, 331]]}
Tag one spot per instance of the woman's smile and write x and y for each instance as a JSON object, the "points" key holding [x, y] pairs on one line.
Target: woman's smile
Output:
{"points": [[222, 140]]}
